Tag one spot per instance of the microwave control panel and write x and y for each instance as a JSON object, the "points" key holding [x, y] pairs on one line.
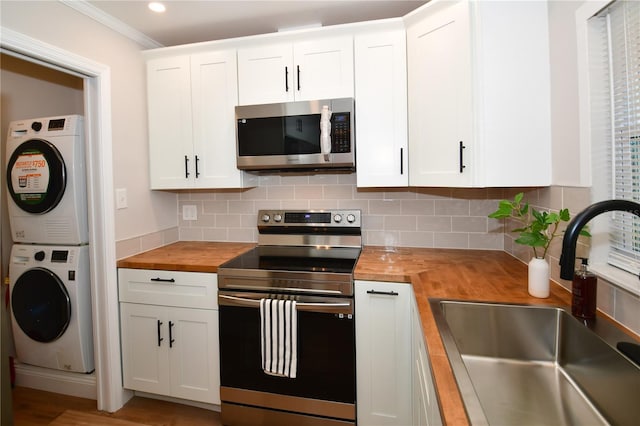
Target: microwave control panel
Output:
{"points": [[340, 132]]}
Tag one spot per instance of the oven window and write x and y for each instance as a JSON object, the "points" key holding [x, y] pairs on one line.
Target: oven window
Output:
{"points": [[326, 355]]}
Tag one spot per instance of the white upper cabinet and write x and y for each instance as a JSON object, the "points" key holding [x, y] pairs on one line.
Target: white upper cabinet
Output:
{"points": [[306, 70], [381, 104], [440, 108], [479, 94], [192, 122], [170, 131]]}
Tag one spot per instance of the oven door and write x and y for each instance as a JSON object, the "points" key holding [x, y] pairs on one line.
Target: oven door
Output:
{"points": [[325, 380]]}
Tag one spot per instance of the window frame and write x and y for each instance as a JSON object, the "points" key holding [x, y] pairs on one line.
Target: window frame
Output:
{"points": [[598, 226]]}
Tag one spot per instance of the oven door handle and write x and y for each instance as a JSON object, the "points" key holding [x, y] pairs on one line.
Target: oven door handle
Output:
{"points": [[301, 306]]}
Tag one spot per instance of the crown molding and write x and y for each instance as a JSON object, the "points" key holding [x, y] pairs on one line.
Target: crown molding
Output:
{"points": [[109, 21]]}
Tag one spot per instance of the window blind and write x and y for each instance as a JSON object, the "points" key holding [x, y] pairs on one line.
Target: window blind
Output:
{"points": [[621, 31]]}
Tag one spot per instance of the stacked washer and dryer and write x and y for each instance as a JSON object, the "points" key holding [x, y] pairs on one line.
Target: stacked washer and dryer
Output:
{"points": [[49, 265]]}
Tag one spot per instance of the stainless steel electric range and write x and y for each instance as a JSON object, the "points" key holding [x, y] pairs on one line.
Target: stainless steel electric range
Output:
{"points": [[307, 257]]}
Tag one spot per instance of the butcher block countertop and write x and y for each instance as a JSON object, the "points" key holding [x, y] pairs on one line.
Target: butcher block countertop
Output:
{"points": [[188, 256], [479, 275]]}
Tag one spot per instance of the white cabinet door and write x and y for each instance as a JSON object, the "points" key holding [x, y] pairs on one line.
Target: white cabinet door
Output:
{"points": [[265, 74], [383, 353], [426, 411], [214, 94], [170, 347], [479, 94], [191, 101], [194, 354], [440, 97], [307, 70], [145, 359], [169, 114], [323, 68], [381, 93]]}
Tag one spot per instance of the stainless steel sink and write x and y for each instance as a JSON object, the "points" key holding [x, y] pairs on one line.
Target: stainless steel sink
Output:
{"points": [[522, 364]]}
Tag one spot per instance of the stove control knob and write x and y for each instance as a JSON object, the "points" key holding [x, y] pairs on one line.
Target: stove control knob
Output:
{"points": [[277, 217], [351, 218], [337, 218], [265, 218]]}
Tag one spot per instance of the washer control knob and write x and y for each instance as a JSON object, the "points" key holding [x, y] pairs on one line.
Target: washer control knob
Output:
{"points": [[337, 218], [39, 256], [36, 125], [277, 217], [265, 218], [351, 218]]}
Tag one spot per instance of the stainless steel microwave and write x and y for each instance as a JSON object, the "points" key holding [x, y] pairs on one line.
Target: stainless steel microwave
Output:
{"points": [[296, 135]]}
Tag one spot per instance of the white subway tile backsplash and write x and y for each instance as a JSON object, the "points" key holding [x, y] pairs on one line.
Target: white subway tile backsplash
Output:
{"points": [[384, 207], [434, 223], [417, 207], [338, 192], [469, 224], [452, 207], [416, 239], [451, 240], [400, 223]]}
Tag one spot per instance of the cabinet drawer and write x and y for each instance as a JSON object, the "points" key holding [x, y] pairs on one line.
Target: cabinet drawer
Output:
{"points": [[169, 288]]}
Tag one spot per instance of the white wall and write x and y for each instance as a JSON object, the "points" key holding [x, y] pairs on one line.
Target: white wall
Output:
{"points": [[61, 26]]}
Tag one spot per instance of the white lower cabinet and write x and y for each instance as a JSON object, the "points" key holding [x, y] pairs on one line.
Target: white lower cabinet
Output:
{"points": [[426, 411], [394, 385], [170, 350], [383, 353]]}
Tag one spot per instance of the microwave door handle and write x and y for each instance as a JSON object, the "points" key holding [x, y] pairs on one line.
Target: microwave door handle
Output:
{"points": [[325, 132]]}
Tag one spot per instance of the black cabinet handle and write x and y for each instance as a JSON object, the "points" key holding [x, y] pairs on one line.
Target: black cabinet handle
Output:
{"points": [[163, 280], [160, 339], [298, 67], [171, 339], [197, 172], [186, 167], [383, 293], [462, 166], [401, 161], [286, 79]]}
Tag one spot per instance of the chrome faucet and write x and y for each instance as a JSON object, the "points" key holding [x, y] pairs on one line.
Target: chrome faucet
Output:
{"points": [[568, 256]]}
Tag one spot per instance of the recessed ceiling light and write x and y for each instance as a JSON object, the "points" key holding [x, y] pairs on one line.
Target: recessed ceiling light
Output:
{"points": [[157, 7]]}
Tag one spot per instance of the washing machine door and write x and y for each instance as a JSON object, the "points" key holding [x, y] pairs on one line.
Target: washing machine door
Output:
{"points": [[36, 176], [41, 305]]}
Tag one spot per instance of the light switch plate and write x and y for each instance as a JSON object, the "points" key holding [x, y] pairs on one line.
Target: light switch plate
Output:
{"points": [[189, 212], [121, 198]]}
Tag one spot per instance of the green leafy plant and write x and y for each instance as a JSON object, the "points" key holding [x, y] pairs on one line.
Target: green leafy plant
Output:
{"points": [[537, 229]]}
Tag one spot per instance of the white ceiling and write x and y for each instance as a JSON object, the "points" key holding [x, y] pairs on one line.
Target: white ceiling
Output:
{"points": [[187, 21]]}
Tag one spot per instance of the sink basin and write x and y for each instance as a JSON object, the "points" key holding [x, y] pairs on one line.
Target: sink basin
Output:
{"points": [[538, 365]]}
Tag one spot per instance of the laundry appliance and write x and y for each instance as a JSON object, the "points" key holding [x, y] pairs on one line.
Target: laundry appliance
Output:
{"points": [[46, 181], [51, 306]]}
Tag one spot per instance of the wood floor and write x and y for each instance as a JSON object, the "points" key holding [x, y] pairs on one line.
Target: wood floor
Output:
{"points": [[35, 407]]}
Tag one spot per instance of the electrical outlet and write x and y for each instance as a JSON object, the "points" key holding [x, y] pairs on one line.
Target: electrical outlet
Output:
{"points": [[121, 198], [189, 212]]}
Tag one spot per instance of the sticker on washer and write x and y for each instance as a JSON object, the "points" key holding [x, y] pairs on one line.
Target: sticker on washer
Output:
{"points": [[30, 177]]}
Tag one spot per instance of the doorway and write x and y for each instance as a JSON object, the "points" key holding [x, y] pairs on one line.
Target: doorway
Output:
{"points": [[97, 112]]}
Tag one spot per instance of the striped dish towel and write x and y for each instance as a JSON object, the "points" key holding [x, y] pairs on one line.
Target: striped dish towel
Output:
{"points": [[278, 329]]}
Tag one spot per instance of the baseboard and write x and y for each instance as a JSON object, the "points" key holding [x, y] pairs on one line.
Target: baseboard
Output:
{"points": [[210, 407], [58, 381]]}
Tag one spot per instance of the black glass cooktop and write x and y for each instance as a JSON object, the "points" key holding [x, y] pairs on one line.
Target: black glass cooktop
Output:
{"points": [[300, 259]]}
